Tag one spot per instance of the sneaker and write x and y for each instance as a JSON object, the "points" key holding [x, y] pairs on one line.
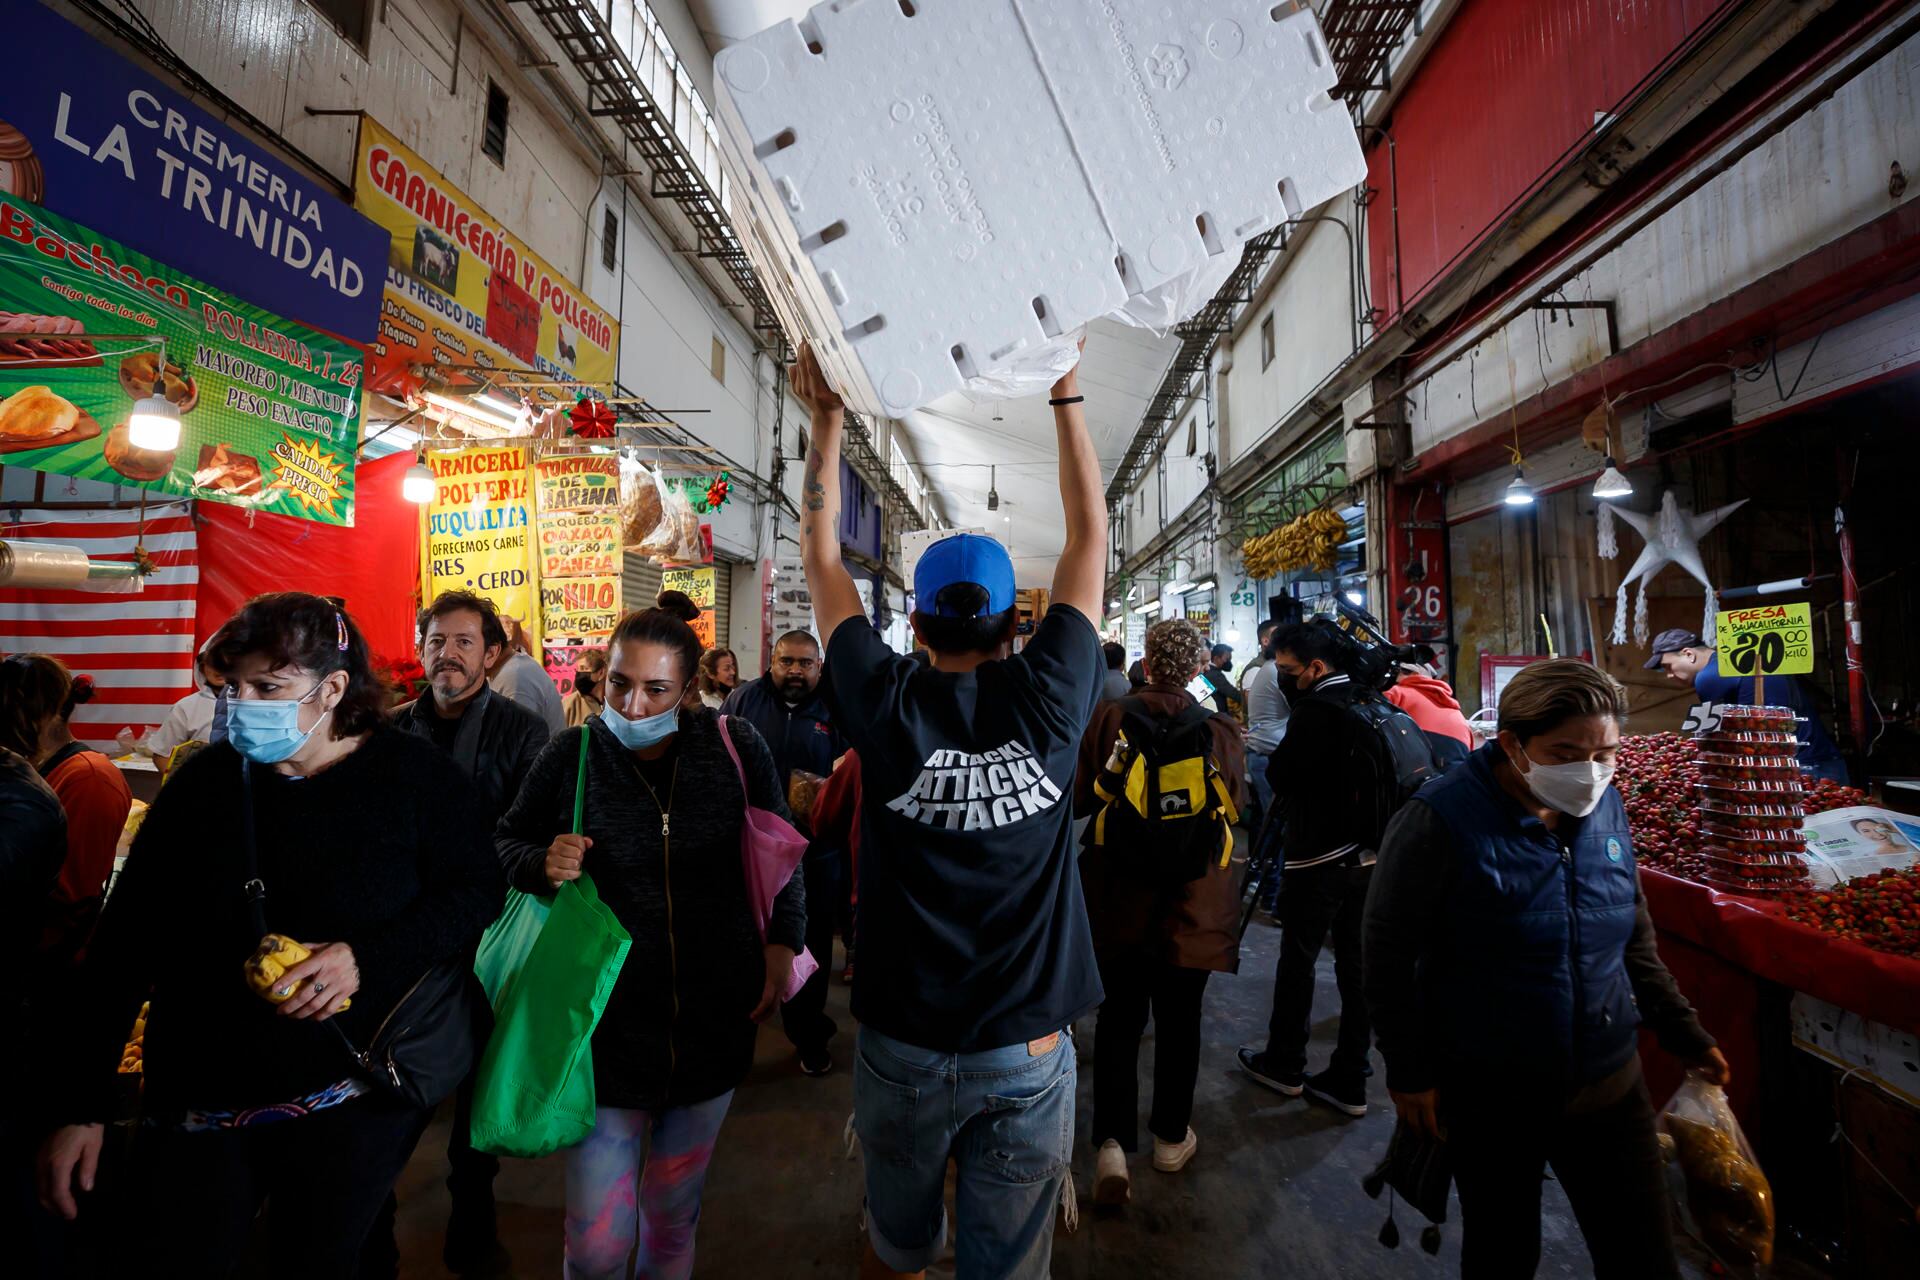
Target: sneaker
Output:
{"points": [[1172, 1157], [1283, 1082], [1111, 1184], [817, 1063], [1343, 1092], [846, 974]]}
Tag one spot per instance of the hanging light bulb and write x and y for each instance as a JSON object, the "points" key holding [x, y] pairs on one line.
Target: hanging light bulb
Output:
{"points": [[1519, 492], [416, 483], [154, 424], [993, 491], [1612, 484]]}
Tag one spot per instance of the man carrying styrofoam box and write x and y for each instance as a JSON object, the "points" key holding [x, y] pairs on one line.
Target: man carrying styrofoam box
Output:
{"points": [[975, 952]]}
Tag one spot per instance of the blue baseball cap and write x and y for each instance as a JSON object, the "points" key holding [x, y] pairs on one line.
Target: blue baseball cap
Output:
{"points": [[965, 557]]}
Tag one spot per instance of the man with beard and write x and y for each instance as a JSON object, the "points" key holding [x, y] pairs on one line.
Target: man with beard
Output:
{"points": [[494, 740], [786, 707]]}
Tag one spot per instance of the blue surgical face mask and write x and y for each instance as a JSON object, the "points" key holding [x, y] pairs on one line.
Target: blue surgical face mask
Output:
{"points": [[647, 731], [267, 731]]}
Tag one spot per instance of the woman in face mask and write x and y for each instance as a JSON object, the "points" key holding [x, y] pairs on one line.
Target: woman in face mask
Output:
{"points": [[1510, 961], [358, 841], [589, 688], [661, 838]]}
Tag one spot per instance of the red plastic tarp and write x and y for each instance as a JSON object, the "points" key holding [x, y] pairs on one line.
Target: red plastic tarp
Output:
{"points": [[374, 566], [1755, 935]]}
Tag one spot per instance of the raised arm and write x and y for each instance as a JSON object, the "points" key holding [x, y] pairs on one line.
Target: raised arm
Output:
{"points": [[835, 598], [1080, 575]]}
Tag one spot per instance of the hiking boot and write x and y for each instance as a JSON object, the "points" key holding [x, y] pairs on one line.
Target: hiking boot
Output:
{"points": [[1111, 1184], [1172, 1157], [1255, 1064], [816, 1062], [1345, 1092]]}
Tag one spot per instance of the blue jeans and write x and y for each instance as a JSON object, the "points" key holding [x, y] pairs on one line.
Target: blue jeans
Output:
{"points": [[1005, 1116], [1261, 790]]}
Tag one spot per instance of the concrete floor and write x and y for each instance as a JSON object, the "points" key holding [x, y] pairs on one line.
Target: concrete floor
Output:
{"points": [[1274, 1189]]}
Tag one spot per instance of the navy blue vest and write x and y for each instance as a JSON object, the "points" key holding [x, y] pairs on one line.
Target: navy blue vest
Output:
{"points": [[1527, 971]]}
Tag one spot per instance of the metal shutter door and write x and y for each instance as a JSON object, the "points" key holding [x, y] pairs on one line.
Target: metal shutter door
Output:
{"points": [[639, 582], [722, 604]]}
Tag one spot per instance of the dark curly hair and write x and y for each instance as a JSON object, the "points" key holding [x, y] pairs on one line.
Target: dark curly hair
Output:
{"points": [[293, 628], [491, 632], [679, 604], [34, 687], [662, 627]]}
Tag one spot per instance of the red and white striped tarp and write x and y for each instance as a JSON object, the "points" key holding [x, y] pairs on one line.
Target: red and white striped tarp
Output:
{"points": [[138, 647]]}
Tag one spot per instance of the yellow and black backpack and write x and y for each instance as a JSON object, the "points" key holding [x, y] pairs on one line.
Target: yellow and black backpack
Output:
{"points": [[1166, 811]]}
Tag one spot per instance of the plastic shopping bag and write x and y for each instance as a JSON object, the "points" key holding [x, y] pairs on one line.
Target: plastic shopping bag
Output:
{"points": [[1727, 1201], [548, 966]]}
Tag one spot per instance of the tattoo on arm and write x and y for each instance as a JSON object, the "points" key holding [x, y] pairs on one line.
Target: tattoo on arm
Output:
{"points": [[816, 492]]}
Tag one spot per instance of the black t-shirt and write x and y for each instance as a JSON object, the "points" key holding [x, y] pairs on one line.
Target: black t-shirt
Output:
{"points": [[443, 731], [973, 933]]}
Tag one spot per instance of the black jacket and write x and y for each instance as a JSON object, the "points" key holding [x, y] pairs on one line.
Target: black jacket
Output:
{"points": [[495, 745], [676, 1029], [801, 737], [1323, 776], [33, 844], [385, 851]]}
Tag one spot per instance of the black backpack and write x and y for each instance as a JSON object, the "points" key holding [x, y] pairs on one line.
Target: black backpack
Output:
{"points": [[1405, 762], [1165, 811]]}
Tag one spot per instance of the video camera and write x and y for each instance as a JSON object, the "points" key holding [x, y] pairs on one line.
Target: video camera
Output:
{"points": [[1373, 660]]}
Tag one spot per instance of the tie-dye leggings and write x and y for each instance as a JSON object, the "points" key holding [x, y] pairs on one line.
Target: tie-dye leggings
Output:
{"points": [[617, 1195]]}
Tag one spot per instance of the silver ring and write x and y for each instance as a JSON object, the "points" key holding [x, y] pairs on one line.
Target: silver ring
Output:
{"points": [[320, 988]]}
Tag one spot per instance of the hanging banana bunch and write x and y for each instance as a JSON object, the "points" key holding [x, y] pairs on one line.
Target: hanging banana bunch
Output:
{"points": [[1313, 541]]}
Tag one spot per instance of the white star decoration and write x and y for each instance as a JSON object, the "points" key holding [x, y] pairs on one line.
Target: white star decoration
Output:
{"points": [[1672, 537]]}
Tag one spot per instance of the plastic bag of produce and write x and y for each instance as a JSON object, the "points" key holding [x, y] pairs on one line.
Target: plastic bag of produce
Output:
{"points": [[1727, 1201], [548, 966], [642, 502], [676, 538]]}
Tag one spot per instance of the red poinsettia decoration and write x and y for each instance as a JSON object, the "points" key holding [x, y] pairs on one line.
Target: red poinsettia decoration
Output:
{"points": [[592, 419], [717, 492]]}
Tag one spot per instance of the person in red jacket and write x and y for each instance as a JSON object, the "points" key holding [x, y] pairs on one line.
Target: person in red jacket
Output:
{"points": [[37, 696], [1424, 696], [836, 817]]}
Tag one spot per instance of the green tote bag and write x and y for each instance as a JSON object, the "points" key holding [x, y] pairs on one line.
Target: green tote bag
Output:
{"points": [[548, 966]]}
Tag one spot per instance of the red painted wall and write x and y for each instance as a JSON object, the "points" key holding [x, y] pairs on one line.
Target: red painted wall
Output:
{"points": [[1508, 89]]}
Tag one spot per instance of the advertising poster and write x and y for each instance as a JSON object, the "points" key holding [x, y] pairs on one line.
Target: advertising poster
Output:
{"points": [[480, 532], [86, 132], [459, 288], [578, 501], [1845, 844], [269, 410], [698, 586]]}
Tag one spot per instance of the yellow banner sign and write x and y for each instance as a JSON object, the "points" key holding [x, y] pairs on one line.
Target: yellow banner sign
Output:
{"points": [[579, 544], [578, 482], [696, 583], [479, 533], [580, 608], [460, 288], [1767, 640]]}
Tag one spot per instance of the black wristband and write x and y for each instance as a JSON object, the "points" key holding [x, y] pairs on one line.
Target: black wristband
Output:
{"points": [[1066, 400]]}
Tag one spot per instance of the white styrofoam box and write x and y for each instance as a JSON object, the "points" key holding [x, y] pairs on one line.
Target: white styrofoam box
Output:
{"points": [[946, 184], [1890, 1056]]}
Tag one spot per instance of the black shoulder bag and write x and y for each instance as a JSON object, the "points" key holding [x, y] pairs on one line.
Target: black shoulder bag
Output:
{"points": [[429, 1041]]}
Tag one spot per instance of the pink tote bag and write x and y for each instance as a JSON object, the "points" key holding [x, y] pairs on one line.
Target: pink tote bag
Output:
{"points": [[770, 852]]}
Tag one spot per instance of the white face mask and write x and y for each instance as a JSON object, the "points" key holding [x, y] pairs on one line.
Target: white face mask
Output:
{"points": [[1574, 789]]}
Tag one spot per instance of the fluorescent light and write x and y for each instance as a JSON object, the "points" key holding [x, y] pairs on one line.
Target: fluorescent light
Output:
{"points": [[1519, 492], [1151, 606], [1611, 483], [1133, 592], [1113, 606], [154, 424], [1180, 588], [416, 483], [477, 413], [1356, 598], [498, 404], [1207, 581], [1233, 635]]}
